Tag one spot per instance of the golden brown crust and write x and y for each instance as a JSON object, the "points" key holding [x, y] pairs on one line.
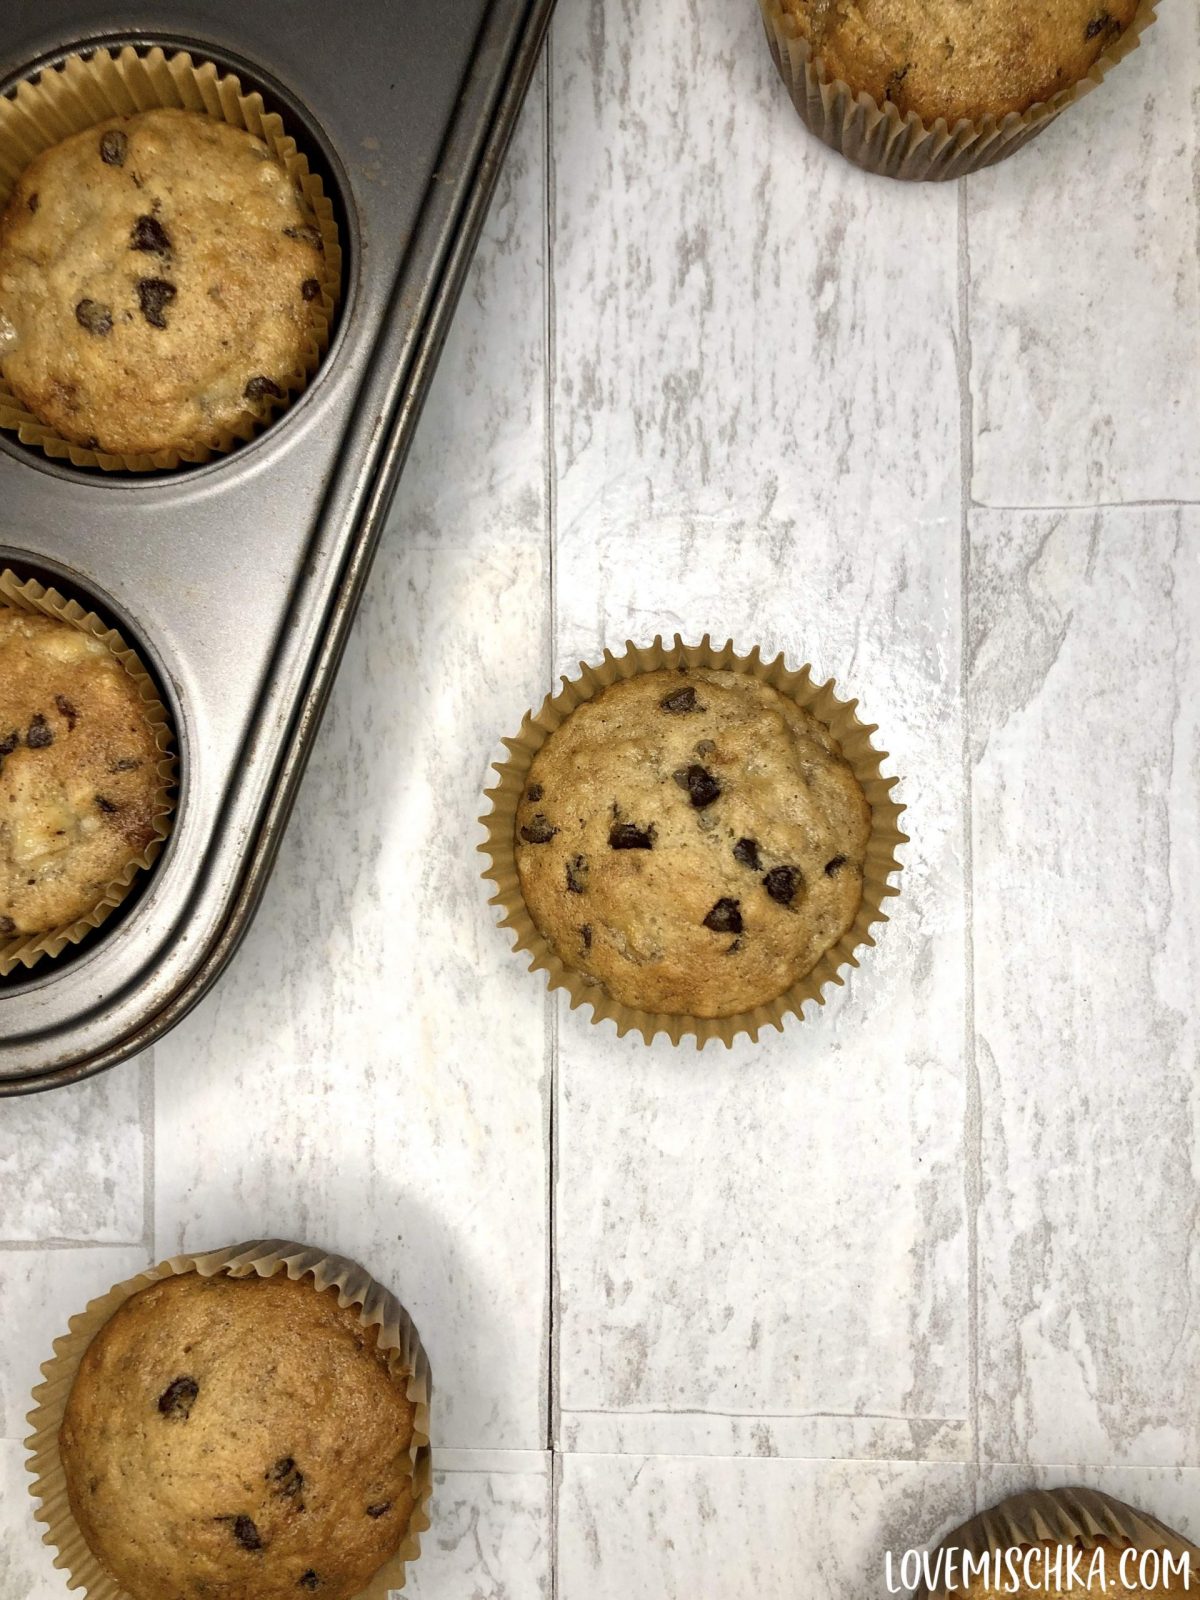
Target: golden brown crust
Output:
{"points": [[79, 777], [941, 58], [238, 1439], [153, 269], [694, 842]]}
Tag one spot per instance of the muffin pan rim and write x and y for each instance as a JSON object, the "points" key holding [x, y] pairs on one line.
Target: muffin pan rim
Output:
{"points": [[462, 98]]}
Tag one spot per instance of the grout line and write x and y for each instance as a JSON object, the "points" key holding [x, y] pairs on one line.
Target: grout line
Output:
{"points": [[763, 1416], [146, 1113], [1095, 505], [553, 1412], [70, 1244], [972, 1109]]}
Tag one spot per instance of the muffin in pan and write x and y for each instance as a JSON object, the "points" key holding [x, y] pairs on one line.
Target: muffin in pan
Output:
{"points": [[81, 791], [939, 58], [161, 285], [692, 841], [239, 1438]]}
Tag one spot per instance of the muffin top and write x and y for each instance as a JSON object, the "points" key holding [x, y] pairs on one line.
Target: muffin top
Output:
{"points": [[160, 281], [693, 841], [79, 776], [941, 58], [238, 1439], [1099, 1572]]}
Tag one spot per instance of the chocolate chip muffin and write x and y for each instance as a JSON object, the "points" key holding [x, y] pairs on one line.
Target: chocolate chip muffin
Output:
{"points": [[692, 841], [79, 781], [160, 284], [941, 58], [238, 1439]]}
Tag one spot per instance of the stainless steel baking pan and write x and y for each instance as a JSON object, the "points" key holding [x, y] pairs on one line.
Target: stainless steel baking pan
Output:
{"points": [[238, 580]]}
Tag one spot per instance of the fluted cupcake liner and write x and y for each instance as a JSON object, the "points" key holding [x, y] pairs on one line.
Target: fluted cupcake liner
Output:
{"points": [[377, 1308], [85, 90], [881, 140], [1068, 1517], [817, 698], [25, 950]]}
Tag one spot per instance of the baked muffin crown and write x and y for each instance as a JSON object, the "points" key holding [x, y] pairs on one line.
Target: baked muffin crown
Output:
{"points": [[939, 58], [80, 787], [161, 284], [693, 842], [238, 1437]]}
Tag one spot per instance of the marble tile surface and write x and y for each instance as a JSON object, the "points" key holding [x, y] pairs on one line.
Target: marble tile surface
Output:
{"points": [[639, 1528], [73, 1164], [1084, 687], [737, 1324], [708, 404], [1085, 293], [371, 1074], [491, 1535]]}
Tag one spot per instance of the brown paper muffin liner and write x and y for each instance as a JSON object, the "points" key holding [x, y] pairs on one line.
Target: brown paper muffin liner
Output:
{"points": [[819, 699], [377, 1307], [83, 91], [27, 949], [882, 141], [1063, 1516]]}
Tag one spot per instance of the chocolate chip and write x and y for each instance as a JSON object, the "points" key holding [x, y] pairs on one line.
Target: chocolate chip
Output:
{"points": [[1098, 24], [534, 793], [246, 1533], [7, 926], [700, 784], [781, 884], [306, 233], [378, 1510], [628, 836], [125, 764], [150, 235], [725, 917], [286, 1477], [9, 743], [539, 831], [154, 296], [308, 1580], [114, 146], [107, 806], [577, 869], [585, 936], [34, 201], [310, 289], [94, 316], [835, 866], [895, 80], [746, 851], [732, 950], [66, 709], [177, 1399], [258, 388], [39, 734], [680, 701]]}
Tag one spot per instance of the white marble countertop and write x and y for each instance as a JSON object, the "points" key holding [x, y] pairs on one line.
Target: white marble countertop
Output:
{"points": [[732, 1324]]}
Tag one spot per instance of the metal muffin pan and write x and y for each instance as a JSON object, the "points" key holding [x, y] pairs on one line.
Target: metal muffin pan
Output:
{"points": [[238, 580]]}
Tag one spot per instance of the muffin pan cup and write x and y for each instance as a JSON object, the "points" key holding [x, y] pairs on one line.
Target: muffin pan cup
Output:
{"points": [[236, 581], [83, 91], [877, 138], [1060, 1516], [820, 699], [377, 1307], [27, 950]]}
